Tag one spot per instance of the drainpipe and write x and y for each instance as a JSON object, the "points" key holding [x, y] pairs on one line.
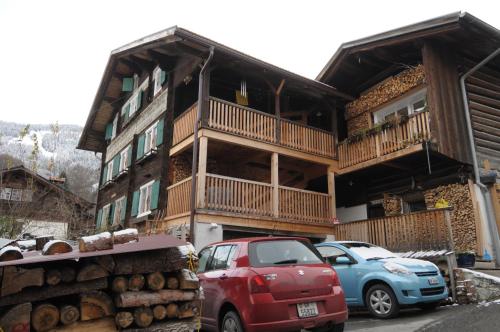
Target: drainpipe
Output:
{"points": [[195, 146], [490, 214]]}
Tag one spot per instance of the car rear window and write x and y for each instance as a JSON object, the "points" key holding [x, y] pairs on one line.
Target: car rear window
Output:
{"points": [[282, 253]]}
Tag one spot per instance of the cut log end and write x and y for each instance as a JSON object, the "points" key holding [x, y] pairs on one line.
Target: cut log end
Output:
{"points": [[102, 241], [55, 247], [172, 283], [143, 316], [69, 314], [159, 312], [172, 310], [119, 285], [136, 282], [45, 317], [95, 305], [156, 281], [124, 319], [53, 277]]}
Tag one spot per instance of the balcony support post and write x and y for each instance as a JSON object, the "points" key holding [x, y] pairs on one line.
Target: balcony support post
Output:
{"points": [[202, 173], [331, 192], [275, 184]]}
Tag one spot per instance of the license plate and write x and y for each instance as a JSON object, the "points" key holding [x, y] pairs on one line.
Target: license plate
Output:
{"points": [[307, 309], [433, 281]]}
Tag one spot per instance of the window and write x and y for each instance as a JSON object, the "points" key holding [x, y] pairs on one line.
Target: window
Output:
{"points": [[282, 252], [115, 125], [109, 171], [145, 199], [204, 257], [10, 194], [150, 140], [331, 253], [414, 103], [159, 79], [119, 213], [124, 158], [222, 257], [133, 104], [6, 193], [106, 211], [17, 195]]}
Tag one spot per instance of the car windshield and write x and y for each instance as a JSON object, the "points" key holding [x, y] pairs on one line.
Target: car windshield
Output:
{"points": [[282, 252], [369, 251]]}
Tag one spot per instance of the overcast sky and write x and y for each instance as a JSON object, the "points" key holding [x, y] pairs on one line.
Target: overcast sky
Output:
{"points": [[53, 53]]}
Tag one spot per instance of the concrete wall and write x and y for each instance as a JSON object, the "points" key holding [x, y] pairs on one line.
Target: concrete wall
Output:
{"points": [[206, 234], [353, 213]]}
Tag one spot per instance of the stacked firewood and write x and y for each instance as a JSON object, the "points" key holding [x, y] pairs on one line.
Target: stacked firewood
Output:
{"points": [[458, 197], [392, 204], [146, 290]]}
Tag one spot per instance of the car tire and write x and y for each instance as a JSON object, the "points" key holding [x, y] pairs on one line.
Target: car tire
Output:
{"points": [[381, 301], [231, 322], [429, 306]]}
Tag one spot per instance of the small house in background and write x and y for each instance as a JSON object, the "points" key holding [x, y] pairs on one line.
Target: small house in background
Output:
{"points": [[31, 205]]}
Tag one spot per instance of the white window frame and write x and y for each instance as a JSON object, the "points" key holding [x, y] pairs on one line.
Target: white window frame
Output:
{"points": [[115, 126], [145, 193], [132, 101], [106, 210], [150, 138], [6, 193], [109, 175], [16, 195], [118, 209], [379, 116], [156, 78], [124, 159]]}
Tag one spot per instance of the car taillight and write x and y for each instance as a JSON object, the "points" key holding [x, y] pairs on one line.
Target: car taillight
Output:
{"points": [[258, 285], [335, 277]]}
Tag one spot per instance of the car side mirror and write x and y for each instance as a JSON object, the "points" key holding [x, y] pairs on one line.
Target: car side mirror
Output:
{"points": [[343, 260]]}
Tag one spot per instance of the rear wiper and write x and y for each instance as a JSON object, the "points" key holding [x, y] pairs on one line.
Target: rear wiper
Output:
{"points": [[287, 261]]}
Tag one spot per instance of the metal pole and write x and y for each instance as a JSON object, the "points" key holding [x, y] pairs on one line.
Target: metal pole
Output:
{"points": [[195, 146], [490, 214]]}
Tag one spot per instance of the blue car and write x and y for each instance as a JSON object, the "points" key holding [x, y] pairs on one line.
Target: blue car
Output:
{"points": [[377, 279]]}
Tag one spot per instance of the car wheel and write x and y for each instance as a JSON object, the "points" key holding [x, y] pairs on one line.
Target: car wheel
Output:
{"points": [[381, 301], [231, 322], [429, 306]]}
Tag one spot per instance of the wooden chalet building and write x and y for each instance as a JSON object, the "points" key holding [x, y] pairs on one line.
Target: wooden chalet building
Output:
{"points": [[378, 142], [266, 137], [404, 145], [32, 204]]}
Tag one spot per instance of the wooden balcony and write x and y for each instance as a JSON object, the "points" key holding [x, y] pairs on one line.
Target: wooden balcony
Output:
{"points": [[384, 144], [238, 197], [249, 123], [426, 230]]}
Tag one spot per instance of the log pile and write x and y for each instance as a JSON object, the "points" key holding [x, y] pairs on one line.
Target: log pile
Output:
{"points": [[385, 91], [466, 290], [458, 197], [146, 290], [392, 205]]}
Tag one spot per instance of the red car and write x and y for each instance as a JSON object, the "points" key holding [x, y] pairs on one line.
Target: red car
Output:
{"points": [[269, 284]]}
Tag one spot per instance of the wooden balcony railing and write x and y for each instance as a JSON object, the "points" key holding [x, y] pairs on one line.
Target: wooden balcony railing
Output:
{"points": [[179, 198], [249, 123], [426, 230], [304, 205], [414, 131], [239, 196], [184, 124]]}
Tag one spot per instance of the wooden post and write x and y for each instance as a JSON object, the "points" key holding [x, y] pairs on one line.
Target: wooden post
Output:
{"points": [[452, 264], [275, 184], [331, 192], [277, 110], [202, 173], [447, 217], [477, 219]]}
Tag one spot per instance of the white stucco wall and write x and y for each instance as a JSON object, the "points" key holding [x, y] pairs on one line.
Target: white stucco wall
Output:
{"points": [[353, 213], [206, 234]]}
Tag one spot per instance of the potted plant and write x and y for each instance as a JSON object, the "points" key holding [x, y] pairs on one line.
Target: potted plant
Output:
{"points": [[466, 258]]}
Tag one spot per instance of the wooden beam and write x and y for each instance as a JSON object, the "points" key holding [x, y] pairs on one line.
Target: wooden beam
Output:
{"points": [[202, 172], [132, 65], [145, 65], [331, 191], [275, 184]]}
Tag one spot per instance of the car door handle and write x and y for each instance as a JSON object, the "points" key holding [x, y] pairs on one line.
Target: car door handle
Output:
{"points": [[223, 277]]}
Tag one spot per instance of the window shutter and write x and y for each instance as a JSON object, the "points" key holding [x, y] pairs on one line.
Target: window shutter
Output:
{"points": [[109, 131], [140, 146], [122, 212], [111, 214], [139, 100], [135, 203], [155, 191], [116, 165], [159, 132], [128, 84], [162, 77], [99, 219], [126, 112], [104, 173], [129, 155]]}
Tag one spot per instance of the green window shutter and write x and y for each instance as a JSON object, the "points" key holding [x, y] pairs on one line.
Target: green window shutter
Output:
{"points": [[109, 131], [163, 76], [116, 165], [128, 84], [155, 191], [135, 203], [140, 146], [159, 132], [139, 99], [122, 212], [111, 214], [99, 219], [129, 155], [104, 172]]}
